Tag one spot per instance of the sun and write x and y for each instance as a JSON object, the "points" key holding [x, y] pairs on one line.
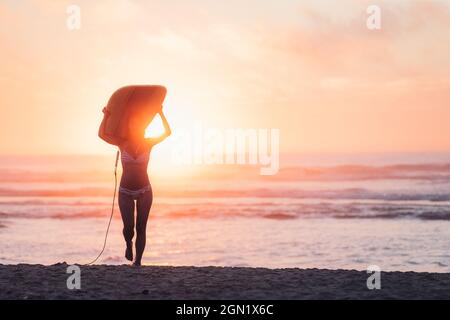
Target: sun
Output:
{"points": [[181, 119], [155, 128]]}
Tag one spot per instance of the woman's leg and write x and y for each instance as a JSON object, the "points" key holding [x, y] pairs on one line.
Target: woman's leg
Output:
{"points": [[126, 205], [144, 203]]}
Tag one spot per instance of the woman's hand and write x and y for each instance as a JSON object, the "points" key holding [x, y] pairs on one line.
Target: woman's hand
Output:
{"points": [[167, 131]]}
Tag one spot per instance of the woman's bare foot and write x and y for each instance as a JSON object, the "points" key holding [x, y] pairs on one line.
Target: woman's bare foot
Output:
{"points": [[136, 264], [129, 252]]}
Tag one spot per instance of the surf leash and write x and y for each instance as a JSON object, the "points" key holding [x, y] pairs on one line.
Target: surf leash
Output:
{"points": [[112, 210]]}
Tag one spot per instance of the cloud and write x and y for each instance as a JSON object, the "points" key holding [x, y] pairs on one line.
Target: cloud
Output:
{"points": [[283, 61]]}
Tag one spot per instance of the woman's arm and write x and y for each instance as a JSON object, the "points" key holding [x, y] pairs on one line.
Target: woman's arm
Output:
{"points": [[101, 131], [167, 131]]}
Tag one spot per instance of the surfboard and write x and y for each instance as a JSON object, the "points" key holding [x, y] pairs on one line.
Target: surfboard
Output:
{"points": [[145, 99]]}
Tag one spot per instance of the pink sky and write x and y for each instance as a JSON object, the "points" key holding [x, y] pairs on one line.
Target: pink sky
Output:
{"points": [[310, 68]]}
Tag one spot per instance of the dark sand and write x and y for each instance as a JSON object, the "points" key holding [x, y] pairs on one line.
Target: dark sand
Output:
{"points": [[125, 282]]}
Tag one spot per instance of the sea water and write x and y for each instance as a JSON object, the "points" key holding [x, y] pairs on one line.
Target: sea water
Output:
{"points": [[320, 211]]}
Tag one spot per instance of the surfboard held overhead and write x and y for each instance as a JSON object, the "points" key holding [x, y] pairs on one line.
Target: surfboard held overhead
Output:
{"points": [[146, 100]]}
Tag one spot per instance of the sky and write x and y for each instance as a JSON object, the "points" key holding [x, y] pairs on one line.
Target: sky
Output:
{"points": [[311, 69]]}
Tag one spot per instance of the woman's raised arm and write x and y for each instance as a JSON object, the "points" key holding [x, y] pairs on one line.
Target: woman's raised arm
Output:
{"points": [[167, 131]]}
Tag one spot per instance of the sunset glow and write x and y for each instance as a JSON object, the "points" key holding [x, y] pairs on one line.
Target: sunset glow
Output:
{"points": [[334, 88], [257, 150]]}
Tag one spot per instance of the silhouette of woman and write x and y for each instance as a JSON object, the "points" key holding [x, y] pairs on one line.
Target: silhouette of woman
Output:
{"points": [[135, 190]]}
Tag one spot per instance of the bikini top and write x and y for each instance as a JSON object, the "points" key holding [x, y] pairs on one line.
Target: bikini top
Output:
{"points": [[142, 158]]}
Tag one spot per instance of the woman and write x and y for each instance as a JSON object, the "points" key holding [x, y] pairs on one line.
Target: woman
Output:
{"points": [[135, 184]]}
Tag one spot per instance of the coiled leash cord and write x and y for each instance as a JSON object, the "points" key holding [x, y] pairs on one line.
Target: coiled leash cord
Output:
{"points": [[112, 210]]}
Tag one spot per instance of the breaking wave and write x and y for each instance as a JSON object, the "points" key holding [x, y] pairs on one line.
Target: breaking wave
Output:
{"points": [[341, 192], [265, 210]]}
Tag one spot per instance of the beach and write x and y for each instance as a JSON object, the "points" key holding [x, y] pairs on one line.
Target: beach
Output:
{"points": [[166, 282]]}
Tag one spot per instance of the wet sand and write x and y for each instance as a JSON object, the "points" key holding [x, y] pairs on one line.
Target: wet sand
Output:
{"points": [[165, 282]]}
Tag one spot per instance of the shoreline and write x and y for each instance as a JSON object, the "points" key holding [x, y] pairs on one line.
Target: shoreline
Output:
{"points": [[24, 281]]}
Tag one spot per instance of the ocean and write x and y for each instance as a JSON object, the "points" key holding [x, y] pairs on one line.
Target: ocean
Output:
{"points": [[333, 211]]}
